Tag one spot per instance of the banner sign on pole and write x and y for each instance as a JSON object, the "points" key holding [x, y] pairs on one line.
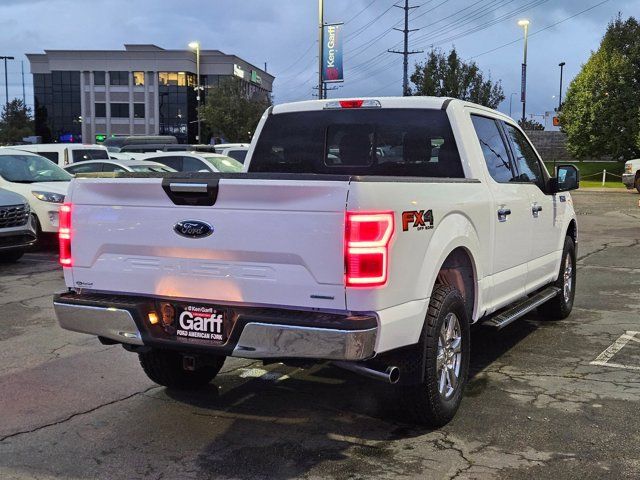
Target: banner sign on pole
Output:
{"points": [[332, 54], [523, 86]]}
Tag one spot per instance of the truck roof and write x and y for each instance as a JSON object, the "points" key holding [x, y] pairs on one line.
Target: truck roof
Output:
{"points": [[386, 102]]}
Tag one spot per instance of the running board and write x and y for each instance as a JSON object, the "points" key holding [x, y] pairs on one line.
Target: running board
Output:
{"points": [[509, 316]]}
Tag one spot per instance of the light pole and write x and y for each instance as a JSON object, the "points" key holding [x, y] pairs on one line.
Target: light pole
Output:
{"points": [[510, 100], [561, 65], [196, 46], [523, 95], [6, 81]]}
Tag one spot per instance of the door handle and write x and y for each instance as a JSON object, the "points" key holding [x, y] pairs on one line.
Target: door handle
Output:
{"points": [[535, 209], [503, 213]]}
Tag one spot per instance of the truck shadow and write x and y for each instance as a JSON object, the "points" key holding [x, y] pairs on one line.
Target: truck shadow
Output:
{"points": [[289, 421]]}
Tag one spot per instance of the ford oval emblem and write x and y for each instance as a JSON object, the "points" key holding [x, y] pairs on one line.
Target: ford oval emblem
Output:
{"points": [[193, 229]]}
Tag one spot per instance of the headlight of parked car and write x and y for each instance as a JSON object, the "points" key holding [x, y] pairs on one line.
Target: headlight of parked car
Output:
{"points": [[49, 197]]}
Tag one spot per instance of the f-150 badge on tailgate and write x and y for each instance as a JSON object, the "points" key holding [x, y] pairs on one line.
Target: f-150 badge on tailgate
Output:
{"points": [[193, 229]]}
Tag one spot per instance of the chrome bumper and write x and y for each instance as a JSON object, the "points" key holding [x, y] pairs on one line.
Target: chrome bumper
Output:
{"points": [[266, 340], [629, 180], [257, 339], [112, 323]]}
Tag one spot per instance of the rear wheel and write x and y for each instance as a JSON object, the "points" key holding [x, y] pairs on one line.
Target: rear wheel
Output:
{"points": [[638, 183], [166, 368], [559, 307], [11, 256], [445, 344]]}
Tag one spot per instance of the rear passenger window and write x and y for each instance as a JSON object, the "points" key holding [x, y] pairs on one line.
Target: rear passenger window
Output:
{"points": [[110, 167], [493, 149], [191, 164], [173, 162]]}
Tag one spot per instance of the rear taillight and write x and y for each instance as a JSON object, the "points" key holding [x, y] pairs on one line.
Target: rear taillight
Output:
{"points": [[367, 237], [64, 234]]}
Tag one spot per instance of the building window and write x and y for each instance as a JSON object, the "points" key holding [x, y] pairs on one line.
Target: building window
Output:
{"points": [[98, 78], [100, 110], [120, 110], [118, 78], [174, 78], [138, 78], [138, 110]]}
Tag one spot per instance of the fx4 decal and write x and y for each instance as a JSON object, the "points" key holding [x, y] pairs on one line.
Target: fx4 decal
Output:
{"points": [[418, 219]]}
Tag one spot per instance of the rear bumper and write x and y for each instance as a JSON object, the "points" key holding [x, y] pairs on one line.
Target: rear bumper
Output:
{"points": [[629, 180], [258, 333]]}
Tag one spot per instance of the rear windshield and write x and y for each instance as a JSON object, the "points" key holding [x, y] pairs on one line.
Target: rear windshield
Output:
{"points": [[394, 142], [90, 154]]}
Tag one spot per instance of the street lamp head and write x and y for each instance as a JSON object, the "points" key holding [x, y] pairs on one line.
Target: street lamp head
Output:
{"points": [[561, 64], [194, 45], [523, 23]]}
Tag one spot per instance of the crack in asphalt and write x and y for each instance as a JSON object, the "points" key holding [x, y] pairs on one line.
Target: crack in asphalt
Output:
{"points": [[73, 415], [635, 243]]}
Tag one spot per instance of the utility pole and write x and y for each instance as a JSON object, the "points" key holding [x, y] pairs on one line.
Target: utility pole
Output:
{"points": [[24, 98], [405, 53], [561, 65], [6, 81], [320, 45]]}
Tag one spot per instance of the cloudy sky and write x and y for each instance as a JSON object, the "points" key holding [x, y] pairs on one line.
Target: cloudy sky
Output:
{"points": [[283, 34]]}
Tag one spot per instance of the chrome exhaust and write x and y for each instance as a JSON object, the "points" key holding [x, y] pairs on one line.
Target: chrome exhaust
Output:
{"points": [[390, 375]]}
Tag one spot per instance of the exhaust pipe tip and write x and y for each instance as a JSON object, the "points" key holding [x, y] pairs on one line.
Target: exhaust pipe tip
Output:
{"points": [[393, 373]]}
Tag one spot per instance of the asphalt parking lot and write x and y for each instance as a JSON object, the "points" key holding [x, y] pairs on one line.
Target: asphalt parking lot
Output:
{"points": [[546, 399]]}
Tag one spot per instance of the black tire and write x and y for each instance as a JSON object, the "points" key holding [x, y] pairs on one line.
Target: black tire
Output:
{"points": [[165, 368], [11, 256], [559, 307], [424, 402], [638, 183]]}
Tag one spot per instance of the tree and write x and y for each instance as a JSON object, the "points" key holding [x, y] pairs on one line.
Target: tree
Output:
{"points": [[530, 124], [230, 112], [601, 112], [448, 76], [15, 122]]}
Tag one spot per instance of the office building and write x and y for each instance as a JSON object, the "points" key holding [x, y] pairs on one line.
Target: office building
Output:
{"points": [[86, 95]]}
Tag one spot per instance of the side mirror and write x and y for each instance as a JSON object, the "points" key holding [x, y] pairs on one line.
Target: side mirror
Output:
{"points": [[567, 178]]}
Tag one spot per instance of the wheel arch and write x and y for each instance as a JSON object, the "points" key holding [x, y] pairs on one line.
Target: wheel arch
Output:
{"points": [[455, 246]]}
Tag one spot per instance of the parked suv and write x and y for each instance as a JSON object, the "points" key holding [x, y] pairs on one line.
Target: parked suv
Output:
{"points": [[17, 230]]}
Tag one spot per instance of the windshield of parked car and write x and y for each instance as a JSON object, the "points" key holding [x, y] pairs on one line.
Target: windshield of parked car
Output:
{"points": [[31, 169], [373, 141], [222, 163]]}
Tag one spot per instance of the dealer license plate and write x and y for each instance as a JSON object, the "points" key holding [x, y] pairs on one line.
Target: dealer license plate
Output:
{"points": [[200, 323]]}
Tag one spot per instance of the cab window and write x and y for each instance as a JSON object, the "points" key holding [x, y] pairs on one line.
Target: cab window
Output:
{"points": [[84, 168], [494, 149], [172, 161], [191, 164]]}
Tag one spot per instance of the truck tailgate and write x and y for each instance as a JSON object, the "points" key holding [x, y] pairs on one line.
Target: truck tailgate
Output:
{"points": [[275, 242]]}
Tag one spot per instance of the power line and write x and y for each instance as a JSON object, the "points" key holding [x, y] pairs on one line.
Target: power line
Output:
{"points": [[541, 30]]}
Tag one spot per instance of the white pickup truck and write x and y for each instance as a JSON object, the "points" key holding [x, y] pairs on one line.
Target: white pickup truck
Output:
{"points": [[366, 232]]}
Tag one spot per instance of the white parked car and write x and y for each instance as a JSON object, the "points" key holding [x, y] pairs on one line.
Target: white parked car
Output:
{"points": [[237, 151], [631, 175], [110, 166], [379, 264], [43, 183], [66, 153], [194, 161]]}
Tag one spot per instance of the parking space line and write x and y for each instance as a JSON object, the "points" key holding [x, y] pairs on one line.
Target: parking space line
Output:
{"points": [[615, 347]]}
